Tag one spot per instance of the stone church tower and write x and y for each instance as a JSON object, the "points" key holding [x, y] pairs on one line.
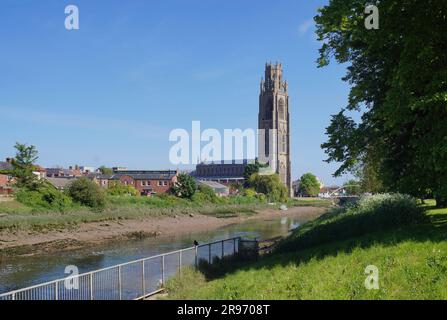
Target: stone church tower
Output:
{"points": [[274, 124]]}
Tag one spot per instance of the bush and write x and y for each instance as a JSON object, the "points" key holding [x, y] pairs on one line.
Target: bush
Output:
{"points": [[88, 193], [370, 214], [270, 185], [250, 193], [43, 197], [119, 189], [185, 187]]}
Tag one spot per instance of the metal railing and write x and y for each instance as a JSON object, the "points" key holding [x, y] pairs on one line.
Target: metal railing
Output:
{"points": [[128, 281]]}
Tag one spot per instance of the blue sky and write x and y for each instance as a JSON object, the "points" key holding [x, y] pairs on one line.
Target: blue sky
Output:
{"points": [[111, 92]]}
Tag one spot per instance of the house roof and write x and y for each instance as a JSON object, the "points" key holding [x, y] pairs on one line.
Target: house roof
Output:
{"points": [[214, 185], [60, 183], [156, 175], [5, 166], [151, 176]]}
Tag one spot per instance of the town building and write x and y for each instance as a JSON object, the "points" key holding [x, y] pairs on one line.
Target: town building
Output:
{"points": [[5, 177], [147, 182], [274, 123], [221, 172], [218, 188], [61, 183], [71, 172]]}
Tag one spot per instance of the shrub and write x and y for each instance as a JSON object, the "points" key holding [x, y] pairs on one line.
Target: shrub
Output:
{"points": [[119, 189], [44, 197], [208, 193], [270, 185], [88, 193], [370, 214], [250, 193], [185, 187]]}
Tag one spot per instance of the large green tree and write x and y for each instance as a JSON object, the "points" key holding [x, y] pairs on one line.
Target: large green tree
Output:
{"points": [[398, 78], [309, 185], [185, 186], [23, 165]]}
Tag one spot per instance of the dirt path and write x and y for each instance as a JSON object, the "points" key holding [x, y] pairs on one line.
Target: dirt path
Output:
{"points": [[31, 243]]}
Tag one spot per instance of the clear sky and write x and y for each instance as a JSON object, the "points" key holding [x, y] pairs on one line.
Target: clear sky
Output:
{"points": [[111, 92]]}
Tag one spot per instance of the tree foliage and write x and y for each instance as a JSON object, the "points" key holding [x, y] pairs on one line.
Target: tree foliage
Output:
{"points": [[23, 166], [309, 185], [252, 168], [44, 196], [398, 82], [353, 187], [185, 186], [87, 193], [270, 185], [105, 170]]}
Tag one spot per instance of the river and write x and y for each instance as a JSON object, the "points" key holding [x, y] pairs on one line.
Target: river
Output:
{"points": [[20, 272]]}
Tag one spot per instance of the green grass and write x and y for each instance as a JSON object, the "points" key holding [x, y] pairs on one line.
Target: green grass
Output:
{"points": [[16, 216], [411, 258], [311, 202]]}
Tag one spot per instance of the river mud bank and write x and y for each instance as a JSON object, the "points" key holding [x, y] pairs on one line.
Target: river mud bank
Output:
{"points": [[25, 243]]}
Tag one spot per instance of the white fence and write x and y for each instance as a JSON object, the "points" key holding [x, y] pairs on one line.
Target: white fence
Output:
{"points": [[128, 281]]}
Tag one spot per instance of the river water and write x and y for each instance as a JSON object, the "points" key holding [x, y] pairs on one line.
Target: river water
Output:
{"points": [[20, 272]]}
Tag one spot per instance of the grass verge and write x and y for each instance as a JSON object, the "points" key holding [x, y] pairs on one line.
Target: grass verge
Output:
{"points": [[410, 254]]}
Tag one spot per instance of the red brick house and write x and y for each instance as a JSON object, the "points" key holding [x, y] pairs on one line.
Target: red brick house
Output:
{"points": [[146, 182], [5, 178]]}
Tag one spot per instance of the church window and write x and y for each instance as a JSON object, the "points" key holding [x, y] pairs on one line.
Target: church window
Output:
{"points": [[281, 110]]}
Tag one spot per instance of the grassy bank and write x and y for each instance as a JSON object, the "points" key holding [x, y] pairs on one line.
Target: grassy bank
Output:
{"points": [[327, 259], [16, 216]]}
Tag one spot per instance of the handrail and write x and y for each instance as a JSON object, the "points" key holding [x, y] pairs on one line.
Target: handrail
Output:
{"points": [[56, 281]]}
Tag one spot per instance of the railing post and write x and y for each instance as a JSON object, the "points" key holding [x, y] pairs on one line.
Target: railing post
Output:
{"points": [[234, 246], [180, 262], [143, 282], [91, 286], [162, 270], [209, 253], [13, 296], [119, 283], [196, 257], [222, 249], [56, 289]]}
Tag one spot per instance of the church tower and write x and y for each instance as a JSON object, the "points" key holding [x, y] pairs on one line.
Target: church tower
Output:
{"points": [[274, 124]]}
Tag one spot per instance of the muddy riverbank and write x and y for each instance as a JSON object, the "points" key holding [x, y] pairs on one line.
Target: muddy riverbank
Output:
{"points": [[23, 243]]}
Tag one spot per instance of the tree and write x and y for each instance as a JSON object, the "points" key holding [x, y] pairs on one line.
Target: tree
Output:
{"points": [[309, 185], [105, 170], [270, 185], [185, 186], [402, 127], [252, 168], [23, 166], [353, 187], [87, 193]]}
